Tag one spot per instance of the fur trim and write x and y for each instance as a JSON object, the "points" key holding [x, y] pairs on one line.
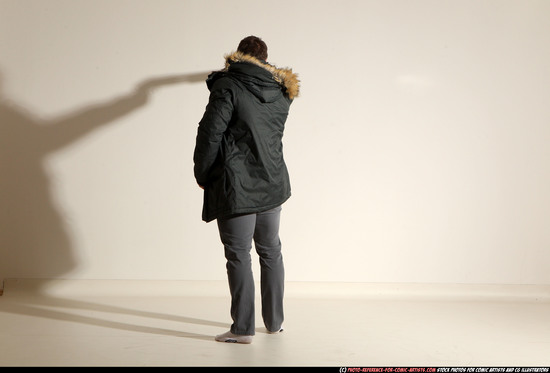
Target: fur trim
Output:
{"points": [[283, 76]]}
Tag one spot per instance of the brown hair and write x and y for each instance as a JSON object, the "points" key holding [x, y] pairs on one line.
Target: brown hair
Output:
{"points": [[253, 46]]}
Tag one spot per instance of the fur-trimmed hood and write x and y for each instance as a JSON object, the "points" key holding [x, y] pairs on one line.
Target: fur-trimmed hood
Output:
{"points": [[283, 76]]}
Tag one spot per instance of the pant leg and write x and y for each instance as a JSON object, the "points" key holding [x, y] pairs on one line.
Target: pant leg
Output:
{"points": [[268, 247], [236, 235]]}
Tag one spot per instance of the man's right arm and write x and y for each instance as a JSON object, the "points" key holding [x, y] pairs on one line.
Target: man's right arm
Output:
{"points": [[212, 126]]}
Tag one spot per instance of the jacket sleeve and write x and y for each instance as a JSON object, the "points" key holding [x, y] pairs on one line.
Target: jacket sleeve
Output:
{"points": [[212, 126]]}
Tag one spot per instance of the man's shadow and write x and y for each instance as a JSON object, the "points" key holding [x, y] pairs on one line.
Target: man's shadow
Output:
{"points": [[34, 241], [42, 305]]}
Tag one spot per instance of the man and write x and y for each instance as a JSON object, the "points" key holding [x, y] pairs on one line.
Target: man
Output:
{"points": [[239, 163]]}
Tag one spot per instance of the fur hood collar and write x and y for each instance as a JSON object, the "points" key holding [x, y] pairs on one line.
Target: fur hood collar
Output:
{"points": [[283, 76]]}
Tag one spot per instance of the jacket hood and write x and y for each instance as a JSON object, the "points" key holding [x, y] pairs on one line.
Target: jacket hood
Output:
{"points": [[262, 79]]}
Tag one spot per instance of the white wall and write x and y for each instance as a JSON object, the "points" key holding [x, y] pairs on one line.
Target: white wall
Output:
{"points": [[419, 150]]}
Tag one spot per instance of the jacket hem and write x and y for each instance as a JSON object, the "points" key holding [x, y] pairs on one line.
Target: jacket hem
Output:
{"points": [[242, 211]]}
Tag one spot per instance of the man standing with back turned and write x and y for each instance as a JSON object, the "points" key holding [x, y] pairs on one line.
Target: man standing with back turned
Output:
{"points": [[239, 163]]}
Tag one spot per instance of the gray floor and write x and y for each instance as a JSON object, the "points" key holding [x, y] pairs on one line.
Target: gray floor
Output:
{"points": [[326, 325]]}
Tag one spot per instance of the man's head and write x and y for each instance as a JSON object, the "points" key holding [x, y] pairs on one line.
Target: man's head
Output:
{"points": [[254, 47]]}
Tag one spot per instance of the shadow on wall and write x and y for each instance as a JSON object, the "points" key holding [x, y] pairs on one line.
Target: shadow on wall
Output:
{"points": [[34, 241]]}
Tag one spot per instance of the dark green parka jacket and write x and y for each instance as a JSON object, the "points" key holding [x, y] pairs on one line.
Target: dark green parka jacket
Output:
{"points": [[238, 156]]}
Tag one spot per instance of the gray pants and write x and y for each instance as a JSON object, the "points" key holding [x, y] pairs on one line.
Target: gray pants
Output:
{"points": [[237, 234]]}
